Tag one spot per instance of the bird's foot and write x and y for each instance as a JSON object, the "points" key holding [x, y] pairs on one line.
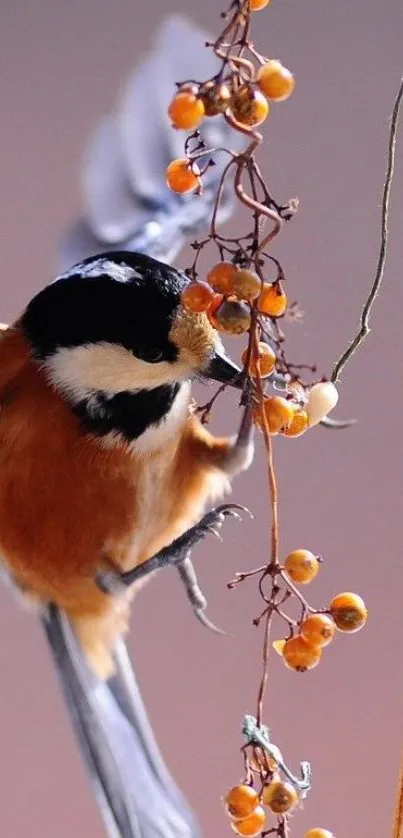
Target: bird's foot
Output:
{"points": [[177, 555]]}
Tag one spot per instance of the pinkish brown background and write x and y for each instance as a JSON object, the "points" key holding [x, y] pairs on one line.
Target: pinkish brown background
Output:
{"points": [[341, 493]]}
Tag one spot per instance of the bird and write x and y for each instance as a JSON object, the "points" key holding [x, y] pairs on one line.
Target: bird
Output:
{"points": [[96, 426], [107, 473], [105, 468]]}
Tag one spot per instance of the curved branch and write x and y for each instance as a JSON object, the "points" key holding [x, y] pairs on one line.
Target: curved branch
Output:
{"points": [[365, 317]]}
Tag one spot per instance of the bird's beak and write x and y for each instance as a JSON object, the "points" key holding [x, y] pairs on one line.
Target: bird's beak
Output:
{"points": [[222, 369]]}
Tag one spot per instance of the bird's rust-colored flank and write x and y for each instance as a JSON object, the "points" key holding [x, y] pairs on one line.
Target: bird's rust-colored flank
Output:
{"points": [[71, 505]]}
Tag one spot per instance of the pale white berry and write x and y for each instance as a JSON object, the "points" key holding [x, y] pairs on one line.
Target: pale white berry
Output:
{"points": [[322, 399]]}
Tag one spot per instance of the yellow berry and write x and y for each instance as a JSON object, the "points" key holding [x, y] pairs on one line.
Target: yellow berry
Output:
{"points": [[256, 5], [278, 412], [181, 177], [186, 110], [298, 425], [300, 655], [278, 646], [249, 106], [302, 566], [318, 629], [197, 296], [275, 81], [318, 833], [263, 364], [241, 801], [215, 97], [247, 285], [221, 277], [279, 796], [349, 612], [272, 300], [233, 317], [252, 825]]}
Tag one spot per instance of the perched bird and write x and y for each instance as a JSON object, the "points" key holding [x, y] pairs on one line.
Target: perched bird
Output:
{"points": [[105, 470], [103, 464], [106, 473]]}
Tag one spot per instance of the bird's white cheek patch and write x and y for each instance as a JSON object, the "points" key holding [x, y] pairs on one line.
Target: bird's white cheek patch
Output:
{"points": [[78, 370]]}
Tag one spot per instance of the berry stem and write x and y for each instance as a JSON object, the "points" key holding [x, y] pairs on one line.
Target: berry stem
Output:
{"points": [[265, 674], [295, 591]]}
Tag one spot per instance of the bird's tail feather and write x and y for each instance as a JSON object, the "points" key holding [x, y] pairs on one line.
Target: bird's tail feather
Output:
{"points": [[136, 796]]}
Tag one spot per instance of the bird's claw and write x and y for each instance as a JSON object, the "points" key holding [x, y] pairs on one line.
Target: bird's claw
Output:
{"points": [[201, 616], [215, 532], [175, 554], [216, 517], [194, 594]]}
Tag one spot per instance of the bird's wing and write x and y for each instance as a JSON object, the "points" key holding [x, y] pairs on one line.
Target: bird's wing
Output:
{"points": [[127, 205]]}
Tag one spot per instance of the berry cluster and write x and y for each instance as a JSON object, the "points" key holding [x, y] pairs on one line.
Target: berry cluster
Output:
{"points": [[301, 651], [230, 298], [241, 296], [237, 297], [245, 806], [316, 629], [242, 97]]}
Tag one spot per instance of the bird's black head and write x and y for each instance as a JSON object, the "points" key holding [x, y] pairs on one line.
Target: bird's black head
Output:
{"points": [[114, 325]]}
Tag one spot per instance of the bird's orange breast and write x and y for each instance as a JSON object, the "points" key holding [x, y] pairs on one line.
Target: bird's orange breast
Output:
{"points": [[70, 503]]}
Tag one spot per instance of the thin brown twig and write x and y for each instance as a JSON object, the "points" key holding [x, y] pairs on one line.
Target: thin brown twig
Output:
{"points": [[265, 673], [397, 830], [366, 313]]}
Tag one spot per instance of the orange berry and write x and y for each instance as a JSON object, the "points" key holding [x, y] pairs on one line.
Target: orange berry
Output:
{"points": [[300, 655], [215, 304], [233, 317], [197, 296], [252, 825], [279, 796], [264, 363], [221, 277], [247, 285], [241, 801], [249, 106], [349, 612], [298, 426], [275, 81], [181, 177], [302, 566], [215, 97], [186, 110], [318, 833], [278, 412], [273, 300], [256, 5], [318, 629]]}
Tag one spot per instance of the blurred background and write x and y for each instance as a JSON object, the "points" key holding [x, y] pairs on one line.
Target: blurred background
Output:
{"points": [[340, 492]]}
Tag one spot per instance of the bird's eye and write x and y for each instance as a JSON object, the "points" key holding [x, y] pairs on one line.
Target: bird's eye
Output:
{"points": [[152, 356]]}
